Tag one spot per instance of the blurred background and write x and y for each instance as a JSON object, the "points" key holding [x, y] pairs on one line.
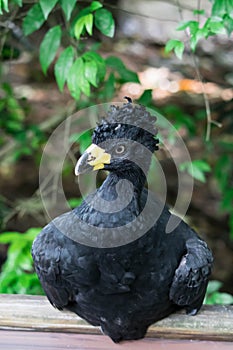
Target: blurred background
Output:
{"points": [[59, 57]]}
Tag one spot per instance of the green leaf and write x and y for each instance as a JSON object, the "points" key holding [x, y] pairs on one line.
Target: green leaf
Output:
{"points": [[177, 46], [33, 20], [73, 81], [213, 286], [226, 145], [188, 24], [196, 169], [179, 49], [18, 2], [77, 81], [84, 85], [198, 12], [67, 6], [218, 8], [74, 202], [202, 165], [4, 5], [199, 168], [230, 8], [216, 26], [146, 98], [110, 86], [31, 233], [47, 6], [79, 27], [95, 5], [108, 89], [7, 88], [82, 13], [83, 22], [222, 170], [115, 63], [222, 298], [128, 75], [63, 65], [125, 74], [198, 174], [89, 23], [49, 46], [9, 237], [171, 44], [193, 27], [200, 33], [183, 25], [90, 71], [227, 200], [228, 24], [83, 138], [193, 43], [231, 224], [105, 22], [203, 32], [101, 66]]}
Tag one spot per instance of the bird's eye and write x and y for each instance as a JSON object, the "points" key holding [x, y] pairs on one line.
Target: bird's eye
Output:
{"points": [[120, 149]]}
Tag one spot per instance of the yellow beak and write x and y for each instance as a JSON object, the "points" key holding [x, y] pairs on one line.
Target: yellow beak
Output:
{"points": [[94, 158]]}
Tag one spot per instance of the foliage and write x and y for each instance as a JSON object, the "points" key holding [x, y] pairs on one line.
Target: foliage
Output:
{"points": [[17, 275], [81, 68], [177, 46], [224, 176], [3, 6], [219, 22], [197, 169], [13, 124], [83, 139], [76, 63], [74, 202], [12, 113], [220, 168], [214, 296]]}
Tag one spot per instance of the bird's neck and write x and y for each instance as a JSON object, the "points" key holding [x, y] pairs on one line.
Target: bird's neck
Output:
{"points": [[124, 183]]}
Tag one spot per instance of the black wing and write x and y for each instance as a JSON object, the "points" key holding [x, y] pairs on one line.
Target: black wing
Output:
{"points": [[63, 266], [46, 261], [191, 277]]}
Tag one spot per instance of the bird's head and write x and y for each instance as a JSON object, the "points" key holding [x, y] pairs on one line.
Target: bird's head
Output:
{"points": [[125, 139]]}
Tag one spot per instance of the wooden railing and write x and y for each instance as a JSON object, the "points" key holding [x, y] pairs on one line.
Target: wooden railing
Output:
{"points": [[23, 312]]}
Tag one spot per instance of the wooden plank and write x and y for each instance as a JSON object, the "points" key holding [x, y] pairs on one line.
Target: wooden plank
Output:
{"points": [[23, 312], [21, 340]]}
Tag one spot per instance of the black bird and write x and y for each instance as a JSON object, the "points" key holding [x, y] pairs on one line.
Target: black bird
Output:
{"points": [[110, 260]]}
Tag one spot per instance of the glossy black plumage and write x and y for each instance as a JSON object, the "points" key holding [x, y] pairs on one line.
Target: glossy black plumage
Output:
{"points": [[124, 288]]}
